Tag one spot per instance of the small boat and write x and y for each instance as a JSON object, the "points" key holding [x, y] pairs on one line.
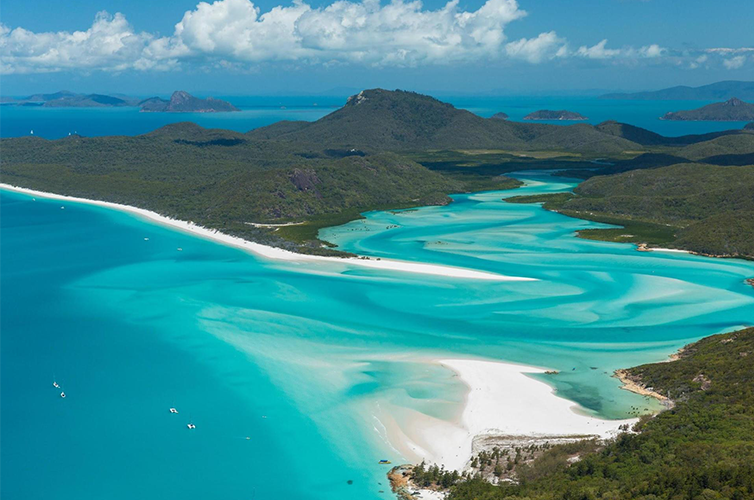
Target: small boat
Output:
{"points": [[56, 385], [180, 249], [62, 208], [173, 410], [146, 239], [62, 395], [191, 426], [384, 462]]}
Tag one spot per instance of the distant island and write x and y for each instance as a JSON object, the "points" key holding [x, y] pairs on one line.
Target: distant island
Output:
{"points": [[180, 102], [546, 114], [732, 110], [183, 102], [713, 92], [500, 116]]}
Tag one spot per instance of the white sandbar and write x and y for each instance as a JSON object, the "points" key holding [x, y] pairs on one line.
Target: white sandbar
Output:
{"points": [[503, 401], [278, 253]]}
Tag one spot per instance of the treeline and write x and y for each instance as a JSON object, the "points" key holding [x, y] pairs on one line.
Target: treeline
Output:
{"points": [[224, 180], [707, 209]]}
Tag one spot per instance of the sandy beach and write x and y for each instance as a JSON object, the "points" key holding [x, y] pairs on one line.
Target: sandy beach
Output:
{"points": [[278, 253], [502, 400]]}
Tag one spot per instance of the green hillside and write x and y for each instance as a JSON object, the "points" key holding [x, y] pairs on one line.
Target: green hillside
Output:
{"points": [[379, 119], [387, 149], [733, 109], [224, 180], [727, 145], [703, 208]]}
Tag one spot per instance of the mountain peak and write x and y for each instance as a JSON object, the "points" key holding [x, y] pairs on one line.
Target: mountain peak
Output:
{"points": [[734, 109], [734, 101], [181, 101]]}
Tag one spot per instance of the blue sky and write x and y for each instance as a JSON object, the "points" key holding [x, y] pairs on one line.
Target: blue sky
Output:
{"points": [[500, 46]]}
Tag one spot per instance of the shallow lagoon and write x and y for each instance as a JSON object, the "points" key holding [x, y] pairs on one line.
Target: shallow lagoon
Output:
{"points": [[300, 357]]}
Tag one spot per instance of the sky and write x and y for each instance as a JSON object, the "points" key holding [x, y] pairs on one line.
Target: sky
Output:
{"points": [[240, 47]]}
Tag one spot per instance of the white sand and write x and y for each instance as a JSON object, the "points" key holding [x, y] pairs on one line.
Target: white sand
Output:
{"points": [[502, 400], [278, 253], [672, 250]]}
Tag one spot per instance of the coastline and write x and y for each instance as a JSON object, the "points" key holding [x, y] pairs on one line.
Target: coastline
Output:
{"points": [[274, 253], [631, 384], [502, 401]]}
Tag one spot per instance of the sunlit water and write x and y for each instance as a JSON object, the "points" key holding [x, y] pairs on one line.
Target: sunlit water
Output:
{"points": [[282, 366]]}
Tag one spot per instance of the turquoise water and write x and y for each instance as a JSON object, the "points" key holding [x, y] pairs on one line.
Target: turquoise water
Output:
{"points": [[300, 357], [53, 123]]}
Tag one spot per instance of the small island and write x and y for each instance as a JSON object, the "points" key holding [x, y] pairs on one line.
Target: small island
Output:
{"points": [[548, 115], [183, 102], [732, 110], [180, 102], [500, 116]]}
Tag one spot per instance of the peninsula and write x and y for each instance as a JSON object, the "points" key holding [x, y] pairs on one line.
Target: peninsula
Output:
{"points": [[732, 110], [708, 381]]}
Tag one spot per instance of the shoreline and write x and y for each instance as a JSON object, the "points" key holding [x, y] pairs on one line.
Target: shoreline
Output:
{"points": [[274, 253], [502, 401], [631, 384]]}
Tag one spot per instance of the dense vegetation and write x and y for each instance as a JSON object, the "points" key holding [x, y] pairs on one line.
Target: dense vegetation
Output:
{"points": [[395, 120], [704, 208], [398, 149], [222, 179], [701, 449], [733, 109]]}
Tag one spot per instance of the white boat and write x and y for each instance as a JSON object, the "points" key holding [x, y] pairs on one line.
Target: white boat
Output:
{"points": [[62, 395], [191, 426], [173, 410], [56, 385]]}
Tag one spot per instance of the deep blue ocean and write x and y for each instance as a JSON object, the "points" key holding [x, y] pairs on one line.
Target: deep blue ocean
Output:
{"points": [[53, 123]]}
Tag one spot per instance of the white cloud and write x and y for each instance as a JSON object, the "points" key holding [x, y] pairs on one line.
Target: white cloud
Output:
{"points": [[653, 50], [397, 33], [598, 51], [729, 50], [109, 43], [734, 62], [535, 50], [237, 35]]}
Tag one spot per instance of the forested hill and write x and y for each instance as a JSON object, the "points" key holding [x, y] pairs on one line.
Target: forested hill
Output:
{"points": [[224, 180], [733, 109], [704, 208], [380, 119]]}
